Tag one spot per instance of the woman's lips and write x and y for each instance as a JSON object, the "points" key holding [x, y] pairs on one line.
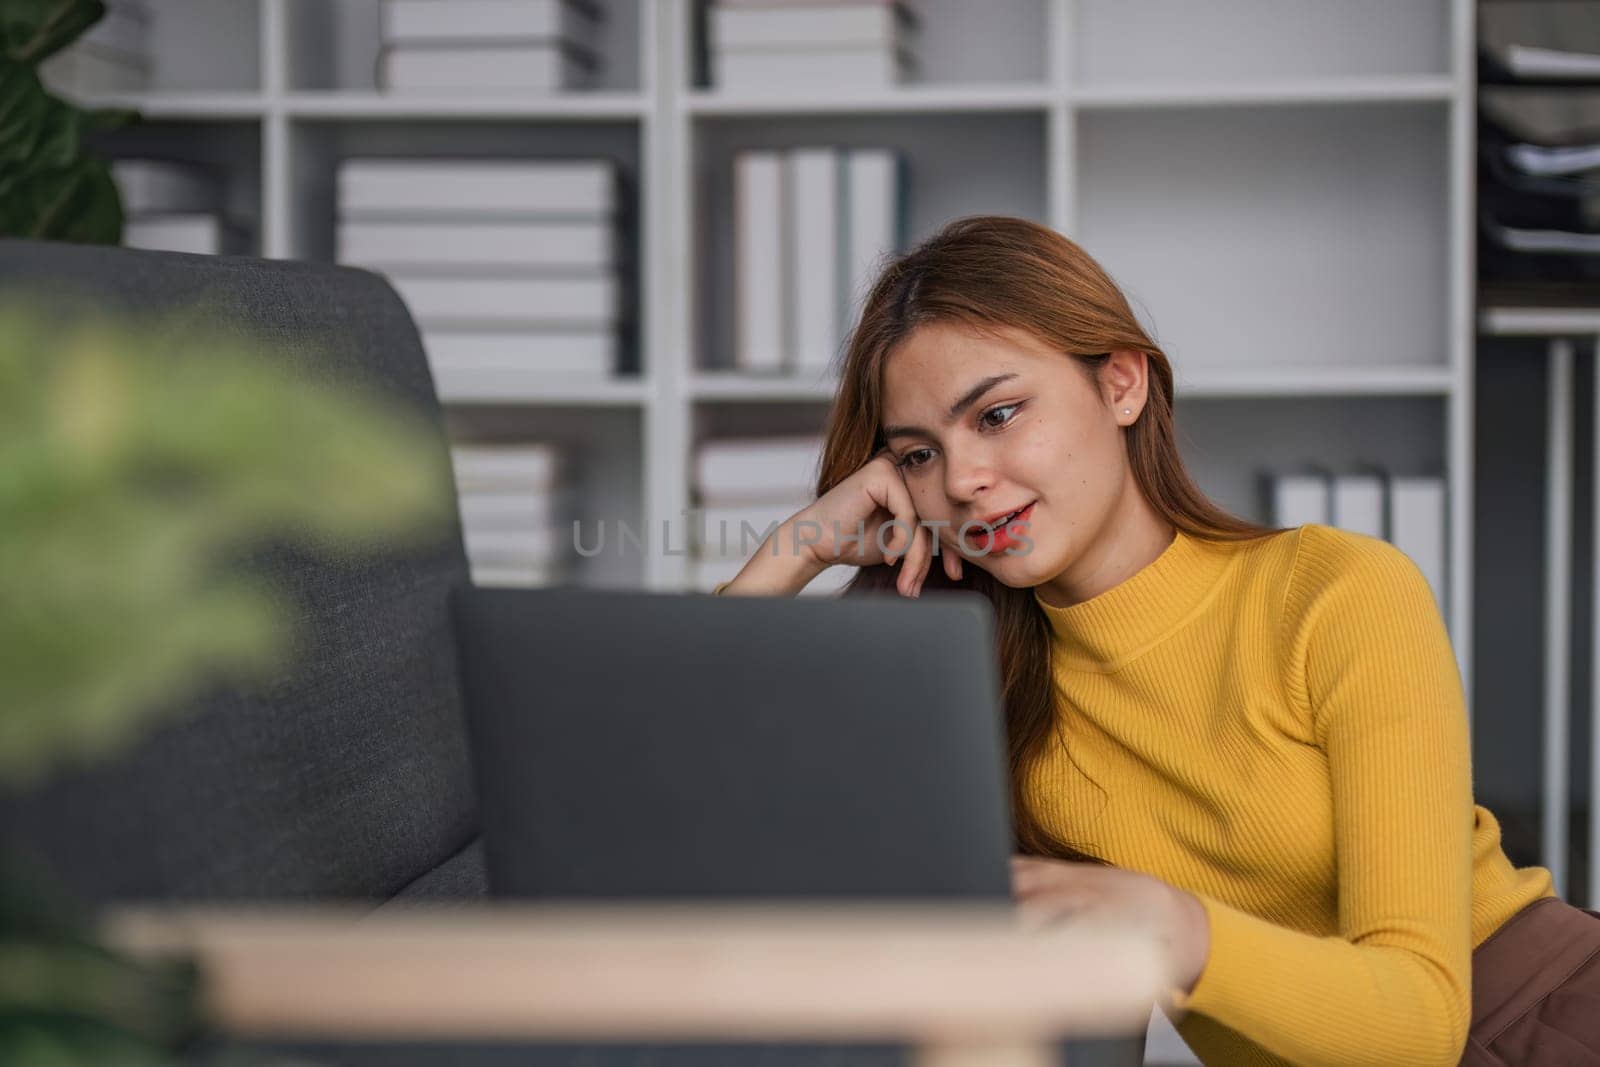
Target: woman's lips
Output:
{"points": [[1003, 537]]}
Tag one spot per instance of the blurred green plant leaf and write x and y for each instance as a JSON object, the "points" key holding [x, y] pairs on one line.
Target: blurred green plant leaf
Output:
{"points": [[51, 185], [33, 30], [135, 461]]}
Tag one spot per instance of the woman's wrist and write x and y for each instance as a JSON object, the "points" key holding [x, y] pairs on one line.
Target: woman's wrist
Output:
{"points": [[1191, 939], [782, 566]]}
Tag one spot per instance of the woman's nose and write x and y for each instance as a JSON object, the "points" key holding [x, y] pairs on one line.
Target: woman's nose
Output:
{"points": [[968, 474]]}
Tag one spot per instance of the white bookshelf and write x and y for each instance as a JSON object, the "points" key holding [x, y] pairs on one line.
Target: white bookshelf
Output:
{"points": [[1282, 187]]}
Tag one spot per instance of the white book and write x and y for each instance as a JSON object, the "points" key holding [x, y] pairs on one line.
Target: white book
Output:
{"points": [[1417, 527], [813, 257], [532, 509], [736, 529], [759, 254], [150, 187], [1525, 240], [1298, 498], [743, 470], [812, 26], [872, 222], [1358, 504], [1559, 160], [432, 21], [576, 244], [84, 70], [200, 234], [522, 466], [533, 68], [779, 71], [1529, 61], [589, 352], [511, 547], [413, 188], [594, 301]]}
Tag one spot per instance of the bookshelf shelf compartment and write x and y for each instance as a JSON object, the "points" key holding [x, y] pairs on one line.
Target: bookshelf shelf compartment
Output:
{"points": [[603, 450], [1300, 237], [940, 185], [336, 45], [228, 152], [1229, 443]]}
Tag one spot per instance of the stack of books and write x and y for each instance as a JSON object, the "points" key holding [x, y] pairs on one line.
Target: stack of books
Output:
{"points": [[746, 487], [812, 229], [1539, 151], [763, 47], [1408, 512], [112, 56], [515, 508], [510, 268], [446, 46], [175, 207]]}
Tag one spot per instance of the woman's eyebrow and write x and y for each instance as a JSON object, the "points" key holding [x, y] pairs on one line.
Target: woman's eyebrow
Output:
{"points": [[969, 398]]}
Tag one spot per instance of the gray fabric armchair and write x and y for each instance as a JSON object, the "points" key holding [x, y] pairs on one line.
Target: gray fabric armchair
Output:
{"points": [[350, 779]]}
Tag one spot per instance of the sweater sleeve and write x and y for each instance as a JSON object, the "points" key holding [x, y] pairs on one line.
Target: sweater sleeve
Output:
{"points": [[1368, 659]]}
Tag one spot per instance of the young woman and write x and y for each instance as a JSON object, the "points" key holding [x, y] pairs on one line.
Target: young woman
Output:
{"points": [[1255, 738]]}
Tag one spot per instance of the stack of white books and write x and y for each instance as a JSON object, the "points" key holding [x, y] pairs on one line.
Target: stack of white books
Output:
{"points": [[112, 56], [515, 507], [510, 268], [175, 207], [812, 229], [746, 487], [764, 47], [1410, 512], [489, 46]]}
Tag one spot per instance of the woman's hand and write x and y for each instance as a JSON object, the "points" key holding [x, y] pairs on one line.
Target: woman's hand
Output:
{"points": [[875, 503], [1049, 890]]}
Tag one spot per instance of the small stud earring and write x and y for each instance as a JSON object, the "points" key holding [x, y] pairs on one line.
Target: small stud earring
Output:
{"points": [[1127, 411]]}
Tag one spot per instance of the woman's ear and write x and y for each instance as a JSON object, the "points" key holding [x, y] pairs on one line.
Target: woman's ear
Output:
{"points": [[1124, 382]]}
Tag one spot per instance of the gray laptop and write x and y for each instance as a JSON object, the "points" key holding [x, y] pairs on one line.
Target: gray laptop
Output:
{"points": [[652, 745]]}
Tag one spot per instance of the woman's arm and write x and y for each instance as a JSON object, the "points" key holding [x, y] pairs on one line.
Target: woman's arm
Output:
{"points": [[1372, 671], [1373, 668]]}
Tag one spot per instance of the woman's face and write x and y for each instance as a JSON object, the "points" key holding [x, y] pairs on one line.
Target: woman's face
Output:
{"points": [[984, 426]]}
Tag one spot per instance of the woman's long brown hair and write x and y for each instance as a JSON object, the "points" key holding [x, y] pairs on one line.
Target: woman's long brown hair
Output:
{"points": [[982, 272]]}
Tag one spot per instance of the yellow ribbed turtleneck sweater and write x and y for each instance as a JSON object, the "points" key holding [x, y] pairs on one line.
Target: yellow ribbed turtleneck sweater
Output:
{"points": [[1278, 727]]}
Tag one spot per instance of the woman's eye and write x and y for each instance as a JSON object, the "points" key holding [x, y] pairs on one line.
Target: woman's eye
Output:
{"points": [[914, 459], [994, 423]]}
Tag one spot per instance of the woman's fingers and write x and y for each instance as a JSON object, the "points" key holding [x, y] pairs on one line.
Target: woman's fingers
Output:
{"points": [[915, 568], [905, 583], [890, 493], [1044, 914], [1034, 874], [952, 563]]}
